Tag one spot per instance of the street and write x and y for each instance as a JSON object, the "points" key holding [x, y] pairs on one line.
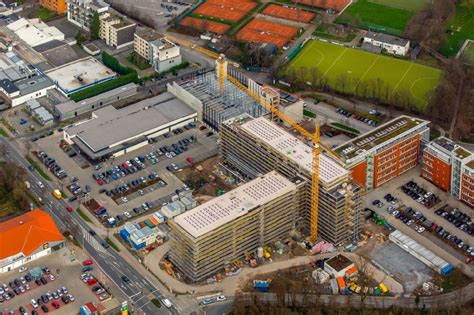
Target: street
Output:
{"points": [[139, 289]]}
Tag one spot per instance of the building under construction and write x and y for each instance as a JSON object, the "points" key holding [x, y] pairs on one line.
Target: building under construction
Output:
{"points": [[206, 239], [215, 103], [253, 146]]}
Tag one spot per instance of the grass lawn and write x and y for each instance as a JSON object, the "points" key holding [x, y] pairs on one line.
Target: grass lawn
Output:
{"points": [[112, 244], [156, 302], [83, 215], [410, 5], [377, 16], [3, 133], [344, 127], [308, 113], [38, 168], [334, 60], [324, 31], [461, 26], [44, 14], [138, 61]]}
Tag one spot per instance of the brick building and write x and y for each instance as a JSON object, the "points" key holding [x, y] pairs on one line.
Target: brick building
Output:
{"points": [[386, 152]]}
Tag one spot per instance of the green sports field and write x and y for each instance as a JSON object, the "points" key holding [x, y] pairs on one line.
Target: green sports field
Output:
{"points": [[334, 61], [461, 26], [468, 53], [378, 16], [410, 5]]}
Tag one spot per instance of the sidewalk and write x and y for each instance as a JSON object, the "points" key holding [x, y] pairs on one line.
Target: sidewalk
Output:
{"points": [[230, 285]]}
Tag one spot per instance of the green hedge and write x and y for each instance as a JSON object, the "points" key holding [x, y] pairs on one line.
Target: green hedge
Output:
{"points": [[113, 63], [104, 87]]}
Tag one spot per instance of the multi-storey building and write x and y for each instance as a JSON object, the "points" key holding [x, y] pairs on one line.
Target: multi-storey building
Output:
{"points": [[81, 12], [450, 167], [142, 40], [157, 50], [385, 152], [206, 239], [116, 31], [58, 6], [436, 162], [254, 146]]}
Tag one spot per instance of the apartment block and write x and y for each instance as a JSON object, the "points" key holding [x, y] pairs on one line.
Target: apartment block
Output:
{"points": [[254, 146], [81, 12], [142, 39], [116, 31], [436, 162], [58, 6], [206, 239], [386, 152], [450, 167]]}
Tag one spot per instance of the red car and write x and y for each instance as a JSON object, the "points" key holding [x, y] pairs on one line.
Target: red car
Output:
{"points": [[87, 262], [69, 209], [100, 182], [55, 304], [91, 281]]}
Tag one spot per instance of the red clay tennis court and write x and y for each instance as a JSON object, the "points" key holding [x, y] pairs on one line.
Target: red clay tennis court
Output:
{"points": [[225, 12], [294, 14], [336, 5], [205, 25], [260, 31]]}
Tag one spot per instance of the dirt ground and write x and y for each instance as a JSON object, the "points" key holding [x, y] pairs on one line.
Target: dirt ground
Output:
{"points": [[203, 178]]}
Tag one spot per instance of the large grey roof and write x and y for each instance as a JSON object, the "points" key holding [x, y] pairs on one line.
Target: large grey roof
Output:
{"points": [[69, 106], [36, 83], [8, 86], [386, 38], [110, 126]]}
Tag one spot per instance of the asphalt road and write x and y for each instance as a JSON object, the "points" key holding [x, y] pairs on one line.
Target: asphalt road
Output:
{"points": [[108, 260]]}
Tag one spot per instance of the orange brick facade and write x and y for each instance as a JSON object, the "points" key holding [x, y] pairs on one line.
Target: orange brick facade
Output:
{"points": [[396, 160], [359, 173], [436, 171], [58, 6]]}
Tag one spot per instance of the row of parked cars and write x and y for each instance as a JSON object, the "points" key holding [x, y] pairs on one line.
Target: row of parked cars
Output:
{"points": [[52, 165], [458, 218], [21, 285], [121, 170], [420, 195], [176, 148], [451, 238], [357, 117], [133, 184], [60, 294]]}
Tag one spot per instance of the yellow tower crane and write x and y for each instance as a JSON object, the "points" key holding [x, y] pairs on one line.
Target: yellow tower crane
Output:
{"points": [[222, 74]]}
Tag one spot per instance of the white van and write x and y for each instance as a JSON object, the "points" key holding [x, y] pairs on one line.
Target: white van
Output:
{"points": [[166, 303]]}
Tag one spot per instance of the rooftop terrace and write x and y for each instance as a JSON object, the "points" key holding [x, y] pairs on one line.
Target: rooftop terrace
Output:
{"points": [[234, 204], [378, 136], [461, 153]]}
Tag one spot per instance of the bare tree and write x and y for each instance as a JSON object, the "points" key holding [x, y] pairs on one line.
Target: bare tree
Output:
{"points": [[343, 81]]}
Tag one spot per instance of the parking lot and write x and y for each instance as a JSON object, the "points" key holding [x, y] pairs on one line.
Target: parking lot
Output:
{"points": [[420, 222], [60, 288], [143, 176]]}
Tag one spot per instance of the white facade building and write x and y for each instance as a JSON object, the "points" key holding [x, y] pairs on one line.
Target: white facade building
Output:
{"points": [[34, 32], [391, 44]]}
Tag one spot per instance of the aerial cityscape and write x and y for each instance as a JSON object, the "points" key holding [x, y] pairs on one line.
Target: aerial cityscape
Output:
{"points": [[236, 157]]}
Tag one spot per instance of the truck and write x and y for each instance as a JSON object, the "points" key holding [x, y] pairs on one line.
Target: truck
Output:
{"points": [[57, 194], [261, 285]]}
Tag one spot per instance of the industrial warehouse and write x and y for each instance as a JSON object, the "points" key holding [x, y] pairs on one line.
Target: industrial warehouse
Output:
{"points": [[113, 132], [206, 238], [256, 146]]}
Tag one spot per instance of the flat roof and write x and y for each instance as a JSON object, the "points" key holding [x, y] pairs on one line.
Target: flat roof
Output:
{"points": [[148, 34], [89, 69], [293, 148], [339, 262], [33, 84], [234, 204], [35, 32], [379, 135], [110, 125], [446, 144], [71, 105], [461, 153]]}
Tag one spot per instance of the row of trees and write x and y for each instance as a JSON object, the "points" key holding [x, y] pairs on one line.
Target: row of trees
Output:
{"points": [[376, 90], [12, 187]]}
